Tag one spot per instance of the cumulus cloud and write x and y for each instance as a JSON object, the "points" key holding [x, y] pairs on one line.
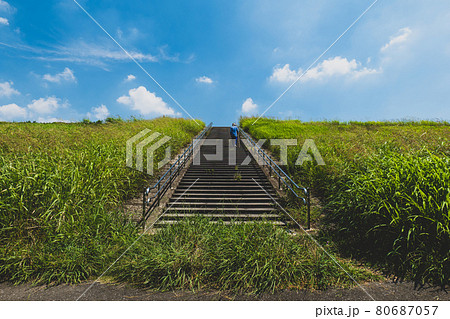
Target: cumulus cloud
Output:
{"points": [[130, 77], [66, 75], [204, 79], [249, 106], [146, 103], [401, 37], [98, 113], [6, 89], [46, 105], [332, 67], [285, 74], [4, 21], [11, 112]]}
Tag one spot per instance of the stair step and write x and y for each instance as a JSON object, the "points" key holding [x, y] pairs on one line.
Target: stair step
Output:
{"points": [[222, 184], [214, 209], [221, 199], [196, 204], [225, 192], [230, 178], [223, 216], [191, 186], [229, 223], [231, 195]]}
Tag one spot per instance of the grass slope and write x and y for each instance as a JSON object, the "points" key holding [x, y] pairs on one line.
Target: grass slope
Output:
{"points": [[385, 187], [253, 257], [59, 186], [58, 189]]}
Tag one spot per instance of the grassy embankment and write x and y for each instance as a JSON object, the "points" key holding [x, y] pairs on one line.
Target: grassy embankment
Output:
{"points": [[60, 186], [385, 189]]}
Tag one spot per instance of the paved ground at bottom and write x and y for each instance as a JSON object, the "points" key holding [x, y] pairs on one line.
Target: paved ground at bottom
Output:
{"points": [[380, 291]]}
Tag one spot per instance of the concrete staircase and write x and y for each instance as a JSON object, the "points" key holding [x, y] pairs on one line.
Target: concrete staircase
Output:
{"points": [[221, 191]]}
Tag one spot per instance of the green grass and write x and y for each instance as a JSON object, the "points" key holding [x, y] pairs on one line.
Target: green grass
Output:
{"points": [[395, 209], [385, 189], [60, 189], [257, 257], [60, 186]]}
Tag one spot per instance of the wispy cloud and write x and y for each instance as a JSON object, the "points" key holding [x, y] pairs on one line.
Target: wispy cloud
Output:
{"points": [[88, 51], [81, 52], [67, 75], [204, 79], [4, 21], [401, 37], [4, 6]]}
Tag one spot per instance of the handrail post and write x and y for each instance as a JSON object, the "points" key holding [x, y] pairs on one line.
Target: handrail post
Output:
{"points": [[159, 187], [144, 202], [308, 204]]}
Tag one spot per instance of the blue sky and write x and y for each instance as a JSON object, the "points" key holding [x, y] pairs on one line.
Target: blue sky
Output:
{"points": [[223, 59]]}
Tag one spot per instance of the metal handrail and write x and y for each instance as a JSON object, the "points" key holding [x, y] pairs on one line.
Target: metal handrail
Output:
{"points": [[163, 184], [282, 176]]}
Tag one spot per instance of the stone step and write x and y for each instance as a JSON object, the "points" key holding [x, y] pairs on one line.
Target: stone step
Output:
{"points": [[222, 216], [163, 223], [219, 204], [247, 210]]}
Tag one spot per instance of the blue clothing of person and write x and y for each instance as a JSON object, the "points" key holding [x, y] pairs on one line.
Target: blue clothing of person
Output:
{"points": [[234, 131], [234, 134]]}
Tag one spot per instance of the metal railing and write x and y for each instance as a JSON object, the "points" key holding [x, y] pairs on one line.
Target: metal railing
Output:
{"points": [[283, 178], [149, 203]]}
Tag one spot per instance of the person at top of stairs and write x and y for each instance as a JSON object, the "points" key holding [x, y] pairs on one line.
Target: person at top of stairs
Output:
{"points": [[234, 133]]}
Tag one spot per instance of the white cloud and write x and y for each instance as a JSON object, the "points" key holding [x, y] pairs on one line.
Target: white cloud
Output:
{"points": [[52, 120], [249, 106], [130, 77], [98, 113], [85, 51], [11, 112], [332, 67], [7, 90], [4, 5], [82, 52], [285, 74], [66, 75], [4, 21], [401, 37], [46, 106], [204, 79], [140, 99]]}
